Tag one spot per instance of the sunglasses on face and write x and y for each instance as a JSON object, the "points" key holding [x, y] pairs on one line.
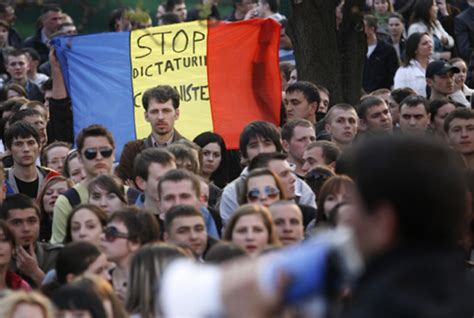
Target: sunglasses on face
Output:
{"points": [[111, 233], [269, 192], [91, 153]]}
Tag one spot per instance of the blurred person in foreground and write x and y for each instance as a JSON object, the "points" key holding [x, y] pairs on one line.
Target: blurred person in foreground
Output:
{"points": [[409, 262]]}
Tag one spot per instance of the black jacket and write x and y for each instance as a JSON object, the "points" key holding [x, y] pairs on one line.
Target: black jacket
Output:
{"points": [[380, 68], [36, 43], [414, 283]]}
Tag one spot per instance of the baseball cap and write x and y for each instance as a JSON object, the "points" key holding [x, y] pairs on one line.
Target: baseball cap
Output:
{"points": [[440, 68]]}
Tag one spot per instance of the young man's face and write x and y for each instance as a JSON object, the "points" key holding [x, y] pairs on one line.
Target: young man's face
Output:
{"points": [[313, 158], [461, 135], [283, 170], [52, 20], [258, 145], [97, 156], [302, 136], [40, 124], [25, 151], [414, 120], [17, 67], [288, 221], [24, 224], [175, 193], [378, 119], [343, 126], [324, 104], [56, 157], [442, 84], [9, 15], [297, 106], [155, 172], [161, 116], [189, 231], [180, 11], [245, 6]]}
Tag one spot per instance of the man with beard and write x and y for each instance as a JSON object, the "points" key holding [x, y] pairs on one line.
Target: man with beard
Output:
{"points": [[161, 105]]}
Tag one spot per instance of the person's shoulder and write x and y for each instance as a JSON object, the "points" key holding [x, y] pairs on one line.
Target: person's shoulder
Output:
{"points": [[63, 202], [46, 246], [30, 40], [417, 27], [48, 172], [231, 185], [177, 136], [465, 16], [386, 46], [33, 84], [134, 145]]}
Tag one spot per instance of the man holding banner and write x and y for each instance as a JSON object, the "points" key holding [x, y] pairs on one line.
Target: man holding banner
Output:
{"points": [[161, 105], [107, 74]]}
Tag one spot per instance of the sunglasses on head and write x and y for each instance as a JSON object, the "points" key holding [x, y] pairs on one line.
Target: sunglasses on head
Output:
{"points": [[91, 153], [270, 192], [111, 233]]}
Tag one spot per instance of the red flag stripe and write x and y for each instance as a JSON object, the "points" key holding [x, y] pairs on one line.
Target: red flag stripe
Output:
{"points": [[243, 57]]}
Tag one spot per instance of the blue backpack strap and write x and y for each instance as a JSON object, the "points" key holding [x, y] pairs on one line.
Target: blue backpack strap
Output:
{"points": [[132, 195], [73, 197]]}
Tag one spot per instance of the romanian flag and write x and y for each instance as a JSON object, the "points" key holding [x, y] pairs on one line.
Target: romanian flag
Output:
{"points": [[227, 75]]}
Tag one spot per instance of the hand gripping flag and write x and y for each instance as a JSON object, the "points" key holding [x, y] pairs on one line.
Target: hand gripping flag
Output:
{"points": [[227, 75]]}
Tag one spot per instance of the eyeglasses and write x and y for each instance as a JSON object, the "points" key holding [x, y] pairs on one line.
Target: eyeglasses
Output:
{"points": [[112, 233], [270, 192], [91, 153]]}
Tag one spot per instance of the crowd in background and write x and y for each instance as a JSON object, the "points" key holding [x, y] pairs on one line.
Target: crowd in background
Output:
{"points": [[85, 233]]}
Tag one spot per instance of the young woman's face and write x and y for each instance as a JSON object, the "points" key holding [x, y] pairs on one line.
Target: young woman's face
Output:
{"points": [[460, 78], [425, 47], [116, 248], [251, 233], [52, 193], [76, 170], [6, 250], [211, 158], [99, 267], [262, 190], [107, 201], [381, 6], [434, 10], [342, 195], [86, 226]]}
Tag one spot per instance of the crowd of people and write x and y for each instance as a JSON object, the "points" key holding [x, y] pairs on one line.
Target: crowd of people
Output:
{"points": [[86, 234]]}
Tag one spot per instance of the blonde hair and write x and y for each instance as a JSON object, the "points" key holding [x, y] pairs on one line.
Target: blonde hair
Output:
{"points": [[146, 268], [10, 302]]}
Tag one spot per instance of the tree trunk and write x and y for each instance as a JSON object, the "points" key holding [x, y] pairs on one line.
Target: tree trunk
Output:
{"points": [[325, 56]]}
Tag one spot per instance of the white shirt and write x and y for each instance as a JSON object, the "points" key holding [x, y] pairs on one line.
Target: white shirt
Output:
{"points": [[370, 49], [412, 76]]}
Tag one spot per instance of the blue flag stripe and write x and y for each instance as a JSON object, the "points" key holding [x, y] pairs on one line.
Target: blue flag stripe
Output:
{"points": [[99, 81]]}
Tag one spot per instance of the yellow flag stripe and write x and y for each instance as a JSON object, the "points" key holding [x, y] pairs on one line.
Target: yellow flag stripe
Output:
{"points": [[173, 55]]}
